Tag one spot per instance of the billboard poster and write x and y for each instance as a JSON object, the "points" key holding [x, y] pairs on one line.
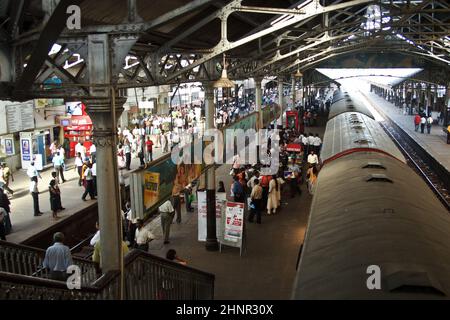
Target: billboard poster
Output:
{"points": [[9, 147], [173, 178], [234, 221], [151, 188], [26, 150]]}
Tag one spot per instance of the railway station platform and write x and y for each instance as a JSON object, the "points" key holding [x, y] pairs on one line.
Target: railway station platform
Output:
{"points": [[434, 143], [25, 224], [267, 267]]}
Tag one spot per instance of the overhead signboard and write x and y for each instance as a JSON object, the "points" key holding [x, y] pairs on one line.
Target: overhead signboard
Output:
{"points": [[20, 117]]}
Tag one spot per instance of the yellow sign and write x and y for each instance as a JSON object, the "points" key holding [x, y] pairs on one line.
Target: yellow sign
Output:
{"points": [[151, 188], [41, 103]]}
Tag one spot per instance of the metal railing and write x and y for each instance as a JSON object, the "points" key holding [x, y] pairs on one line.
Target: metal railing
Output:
{"points": [[147, 277], [24, 260], [150, 277]]}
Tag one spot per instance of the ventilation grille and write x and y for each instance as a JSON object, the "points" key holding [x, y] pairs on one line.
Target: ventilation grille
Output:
{"points": [[375, 177], [361, 141], [413, 282], [374, 165]]}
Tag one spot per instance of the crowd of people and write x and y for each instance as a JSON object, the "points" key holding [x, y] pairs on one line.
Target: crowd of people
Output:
{"points": [[263, 192], [422, 121]]}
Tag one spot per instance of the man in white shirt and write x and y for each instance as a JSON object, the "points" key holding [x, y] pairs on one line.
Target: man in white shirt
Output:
{"points": [[179, 124], [312, 158], [53, 148], [251, 182], [311, 139], [317, 142], [175, 139], [79, 148], [32, 171], [94, 176], [35, 194], [89, 187], [62, 152], [142, 237], [93, 151], [96, 237], [167, 214]]}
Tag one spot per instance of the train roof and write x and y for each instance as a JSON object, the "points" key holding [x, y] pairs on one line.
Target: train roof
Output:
{"points": [[354, 132], [370, 209], [344, 102]]}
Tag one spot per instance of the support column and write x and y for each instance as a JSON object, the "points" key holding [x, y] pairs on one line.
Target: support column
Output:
{"points": [[428, 98], [280, 101], [293, 92], [108, 199], [211, 237], [447, 106], [258, 98]]}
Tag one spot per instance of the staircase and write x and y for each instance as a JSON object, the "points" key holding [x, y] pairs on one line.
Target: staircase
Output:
{"points": [[146, 277]]}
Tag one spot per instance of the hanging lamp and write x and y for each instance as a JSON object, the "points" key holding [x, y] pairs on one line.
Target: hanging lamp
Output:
{"points": [[224, 82]]}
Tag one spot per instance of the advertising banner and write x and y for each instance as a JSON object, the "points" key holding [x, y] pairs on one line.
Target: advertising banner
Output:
{"points": [[151, 188], [9, 147], [26, 149], [234, 221], [173, 178]]}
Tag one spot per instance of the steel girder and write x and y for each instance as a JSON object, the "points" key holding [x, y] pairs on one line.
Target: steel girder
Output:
{"points": [[339, 32]]}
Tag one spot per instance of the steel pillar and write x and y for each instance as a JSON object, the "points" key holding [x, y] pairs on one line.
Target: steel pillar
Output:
{"points": [[447, 106], [109, 211], [258, 98], [211, 237], [293, 92], [280, 101]]}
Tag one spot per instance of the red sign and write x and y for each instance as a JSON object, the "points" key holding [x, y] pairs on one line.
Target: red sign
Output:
{"points": [[80, 121], [294, 147]]}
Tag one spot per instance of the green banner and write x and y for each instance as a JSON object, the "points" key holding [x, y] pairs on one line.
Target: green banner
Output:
{"points": [[164, 178]]}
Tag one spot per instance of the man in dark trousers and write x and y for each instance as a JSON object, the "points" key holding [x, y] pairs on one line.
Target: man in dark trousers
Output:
{"points": [[238, 190], [58, 258], [127, 149], [255, 205], [167, 213], [35, 194], [89, 183], [149, 147]]}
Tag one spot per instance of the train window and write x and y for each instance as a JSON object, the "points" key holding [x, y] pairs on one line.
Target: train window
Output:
{"points": [[374, 165], [376, 177]]}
